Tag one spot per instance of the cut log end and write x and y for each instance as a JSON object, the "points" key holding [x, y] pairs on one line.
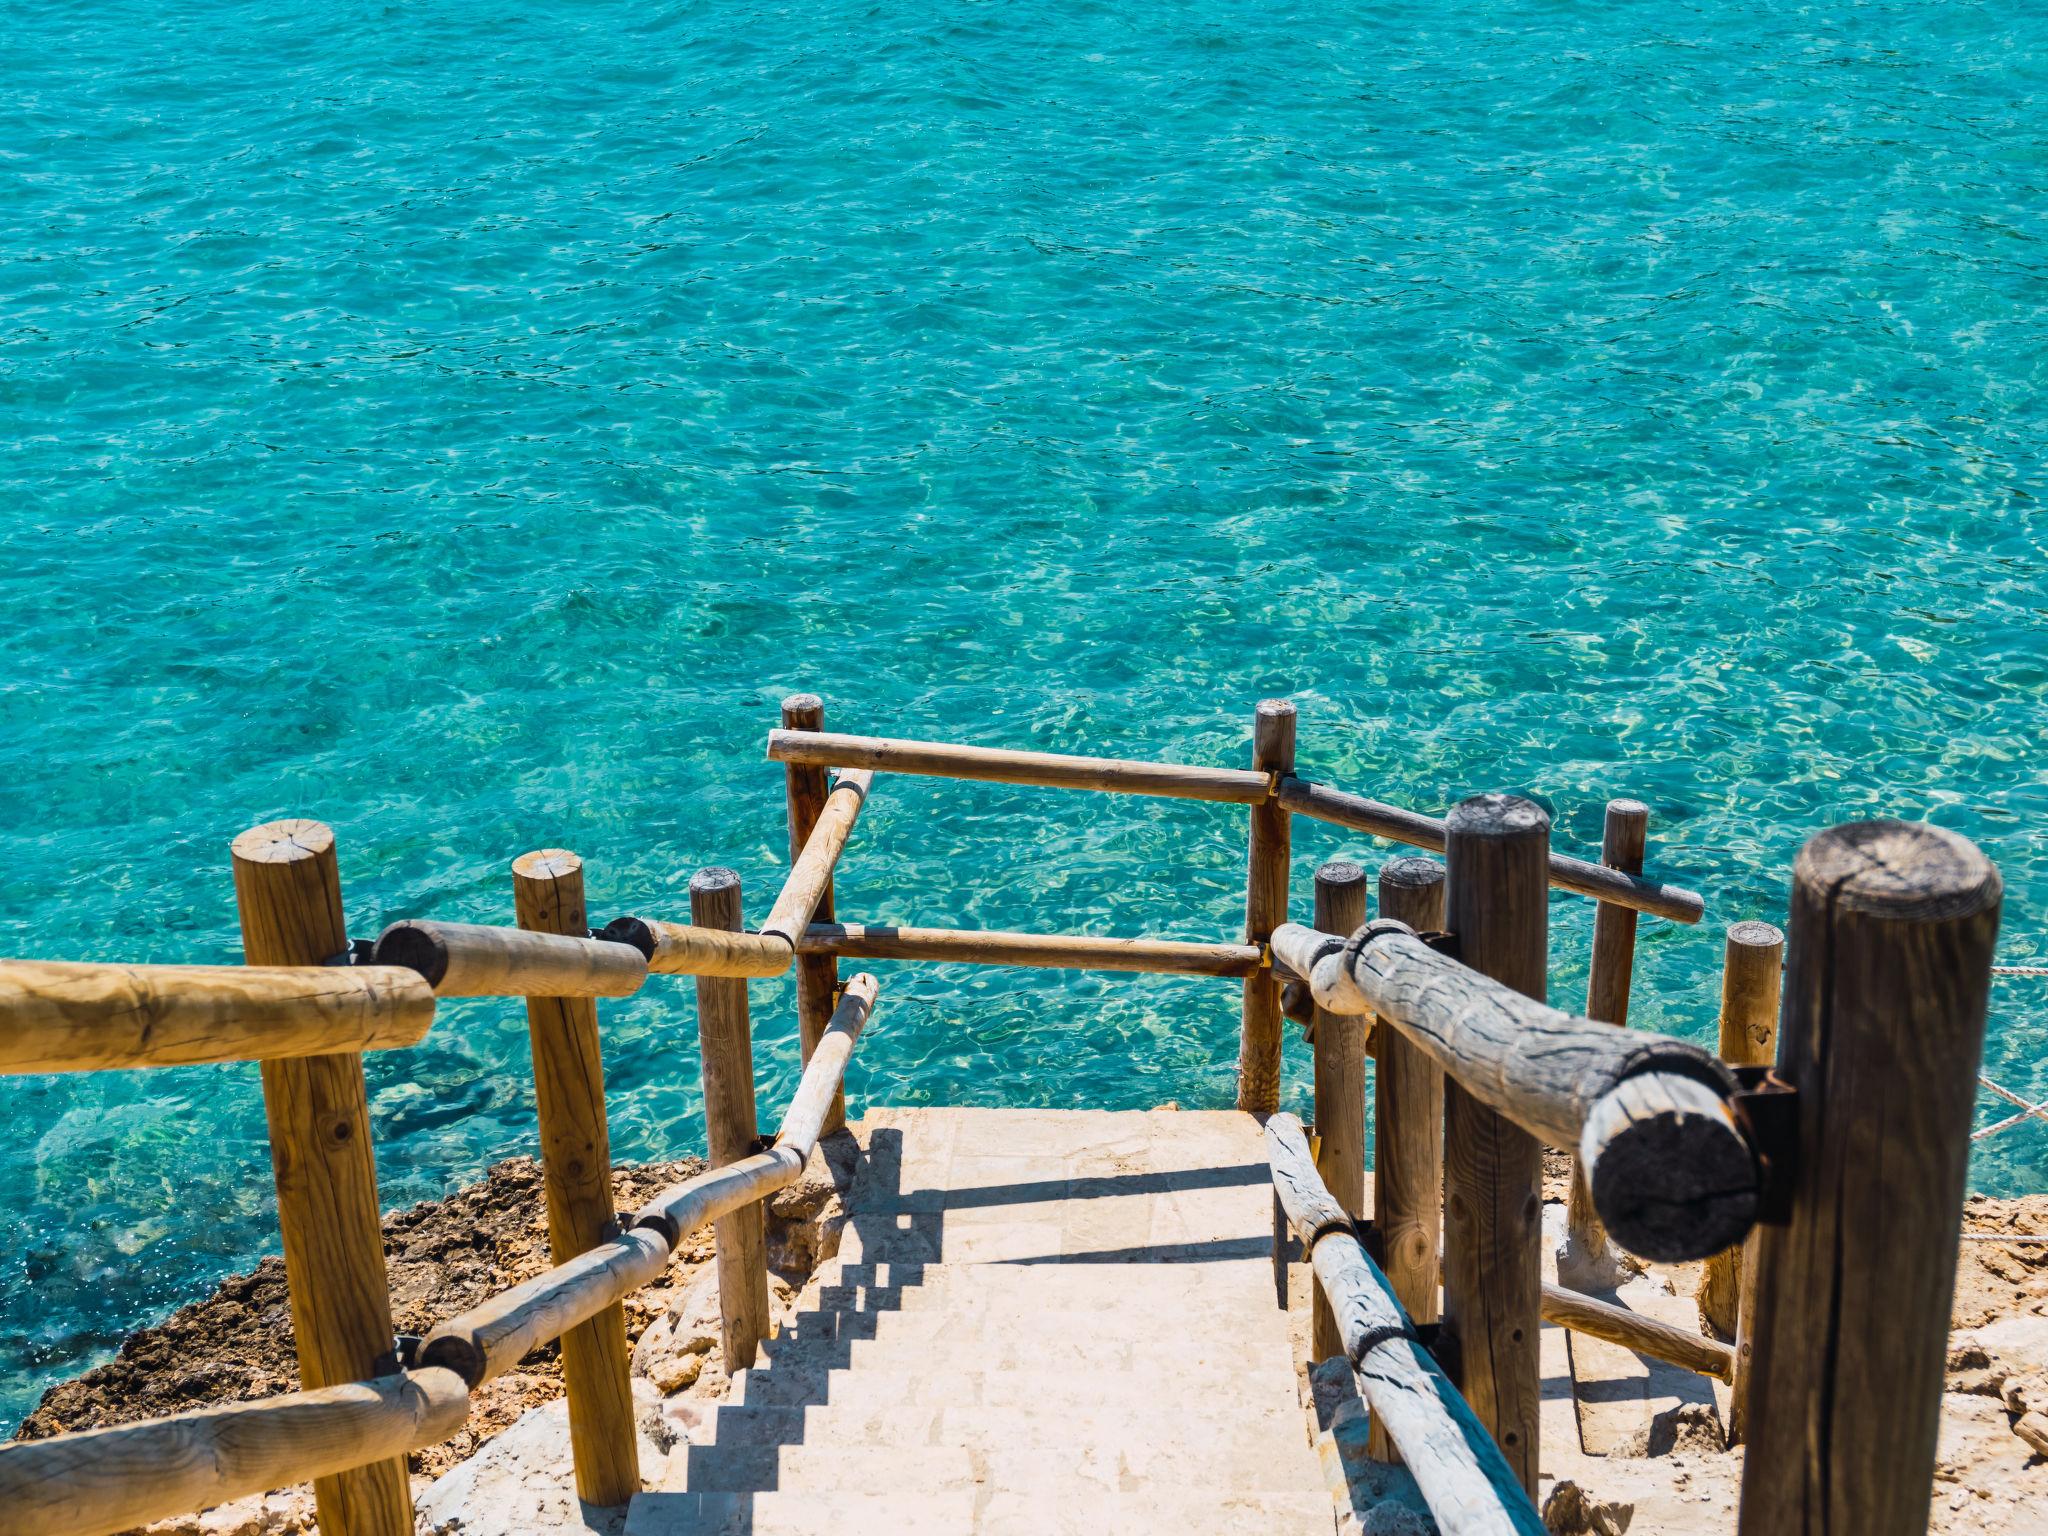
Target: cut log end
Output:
{"points": [[1672, 1177], [714, 880], [546, 864], [629, 930], [1903, 871], [416, 948], [1498, 816], [283, 842], [803, 712]]}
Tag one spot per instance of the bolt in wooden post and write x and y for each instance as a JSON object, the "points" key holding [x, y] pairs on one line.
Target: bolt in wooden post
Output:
{"points": [[1587, 1262], [1340, 1082], [1265, 908], [288, 890], [1408, 1127], [576, 1172], [1497, 904], [726, 1040], [1891, 931], [817, 976], [1752, 974]]}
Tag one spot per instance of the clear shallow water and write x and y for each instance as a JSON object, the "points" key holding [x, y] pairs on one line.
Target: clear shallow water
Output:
{"points": [[463, 426]]}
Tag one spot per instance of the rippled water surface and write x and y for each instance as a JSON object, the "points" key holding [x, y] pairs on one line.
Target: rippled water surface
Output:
{"points": [[462, 424]]}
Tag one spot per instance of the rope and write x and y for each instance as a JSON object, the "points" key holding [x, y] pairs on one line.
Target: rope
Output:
{"points": [[2019, 970]]}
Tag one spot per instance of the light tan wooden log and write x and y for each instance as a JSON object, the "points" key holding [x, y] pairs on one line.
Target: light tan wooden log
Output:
{"points": [[107, 1480], [1408, 1128], [1418, 831], [1586, 1258], [1470, 1488], [1265, 908], [56, 1016], [726, 1044], [810, 1112], [825, 749], [1672, 1175], [1752, 975], [1055, 950], [817, 976], [811, 875], [576, 1176], [288, 893], [1340, 907], [1497, 902], [1889, 972], [682, 949], [1631, 1330], [479, 960]]}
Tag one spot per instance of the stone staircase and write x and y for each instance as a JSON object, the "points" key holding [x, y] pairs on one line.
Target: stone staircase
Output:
{"points": [[1038, 1322]]}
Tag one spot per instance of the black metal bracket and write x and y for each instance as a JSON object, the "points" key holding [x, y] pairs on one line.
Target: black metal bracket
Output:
{"points": [[1443, 943], [1766, 1107], [359, 952]]}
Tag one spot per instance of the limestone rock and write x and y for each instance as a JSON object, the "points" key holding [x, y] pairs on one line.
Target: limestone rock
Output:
{"points": [[1686, 1429], [1571, 1511], [805, 1220], [286, 1512]]}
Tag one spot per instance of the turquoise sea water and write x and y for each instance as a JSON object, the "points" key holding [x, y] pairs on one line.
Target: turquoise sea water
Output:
{"points": [[463, 424]]}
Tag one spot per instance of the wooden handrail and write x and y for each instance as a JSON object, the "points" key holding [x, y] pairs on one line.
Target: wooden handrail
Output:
{"points": [[1060, 951], [56, 1016], [1673, 1176], [480, 960], [1466, 1482], [1631, 1330], [1419, 831], [811, 875], [683, 949], [828, 749], [106, 1480]]}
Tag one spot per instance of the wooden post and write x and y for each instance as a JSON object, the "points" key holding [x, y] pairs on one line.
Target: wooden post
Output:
{"points": [[576, 1172], [288, 890], [1497, 906], [817, 976], [1340, 1082], [1891, 932], [1408, 1126], [1265, 908], [731, 1130], [1752, 974], [1586, 1262]]}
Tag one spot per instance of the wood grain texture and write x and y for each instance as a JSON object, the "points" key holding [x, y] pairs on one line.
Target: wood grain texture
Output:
{"points": [[1265, 908], [682, 949], [56, 1016], [726, 1044], [817, 976], [1890, 944], [481, 960], [1470, 1488], [1057, 950], [1408, 1126], [1497, 901], [1340, 907], [825, 749], [1632, 1330], [107, 1480], [288, 894], [576, 1168], [1623, 841], [811, 1110], [810, 875], [1418, 831]]}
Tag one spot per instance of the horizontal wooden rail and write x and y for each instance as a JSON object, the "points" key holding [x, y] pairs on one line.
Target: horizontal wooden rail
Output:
{"points": [[1060, 951], [107, 1480], [826, 749], [1463, 1478], [478, 960], [682, 949], [1631, 1330], [811, 875], [57, 1016], [488, 1340], [1673, 1176], [1419, 831]]}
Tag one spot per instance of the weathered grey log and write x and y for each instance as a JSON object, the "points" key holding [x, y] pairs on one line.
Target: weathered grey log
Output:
{"points": [[1418, 831], [825, 749], [1470, 1488], [56, 1016], [1265, 908], [106, 1480], [683, 949], [1672, 1175], [1339, 1083], [1891, 934], [479, 960], [1632, 1330], [1058, 950], [810, 875]]}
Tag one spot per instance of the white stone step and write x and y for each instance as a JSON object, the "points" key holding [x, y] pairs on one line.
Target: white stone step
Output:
{"points": [[1253, 1335], [1145, 1393], [1212, 1426], [902, 1345], [957, 1514], [1066, 1471]]}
